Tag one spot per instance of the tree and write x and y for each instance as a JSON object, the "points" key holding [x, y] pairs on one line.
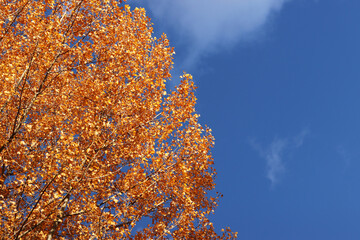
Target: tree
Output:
{"points": [[91, 145]]}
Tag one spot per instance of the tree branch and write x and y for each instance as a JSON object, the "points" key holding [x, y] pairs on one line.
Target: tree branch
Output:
{"points": [[33, 208]]}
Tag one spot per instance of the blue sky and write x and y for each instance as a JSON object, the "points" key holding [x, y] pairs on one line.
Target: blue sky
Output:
{"points": [[279, 84]]}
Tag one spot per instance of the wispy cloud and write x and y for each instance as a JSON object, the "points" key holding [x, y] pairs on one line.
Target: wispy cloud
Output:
{"points": [[274, 160], [345, 155], [274, 154], [209, 25], [299, 139]]}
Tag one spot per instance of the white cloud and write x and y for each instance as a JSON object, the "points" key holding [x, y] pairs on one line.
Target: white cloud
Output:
{"points": [[275, 166], [299, 139], [274, 154], [209, 25]]}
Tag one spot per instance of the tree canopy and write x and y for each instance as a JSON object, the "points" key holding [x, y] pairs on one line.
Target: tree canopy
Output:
{"points": [[91, 144]]}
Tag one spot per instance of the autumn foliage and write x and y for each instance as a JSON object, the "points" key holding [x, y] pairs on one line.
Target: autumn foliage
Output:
{"points": [[91, 145]]}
